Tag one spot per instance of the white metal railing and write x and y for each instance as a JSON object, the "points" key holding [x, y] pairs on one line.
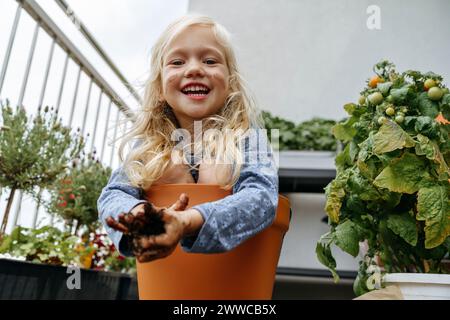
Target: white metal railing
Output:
{"points": [[43, 22]]}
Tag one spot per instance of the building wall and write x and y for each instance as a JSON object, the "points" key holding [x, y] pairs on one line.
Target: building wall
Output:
{"points": [[306, 58]]}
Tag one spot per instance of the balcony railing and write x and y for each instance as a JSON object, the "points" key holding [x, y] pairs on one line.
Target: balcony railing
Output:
{"points": [[104, 108]]}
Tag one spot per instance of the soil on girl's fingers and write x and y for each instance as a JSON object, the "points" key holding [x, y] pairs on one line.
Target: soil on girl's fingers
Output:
{"points": [[147, 223]]}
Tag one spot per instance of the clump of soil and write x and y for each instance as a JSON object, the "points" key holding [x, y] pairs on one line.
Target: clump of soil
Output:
{"points": [[147, 223]]}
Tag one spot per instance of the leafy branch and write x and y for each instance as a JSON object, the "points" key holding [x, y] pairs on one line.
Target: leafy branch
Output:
{"points": [[34, 151]]}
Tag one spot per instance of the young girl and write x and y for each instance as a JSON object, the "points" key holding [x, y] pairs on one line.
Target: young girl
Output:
{"points": [[194, 77]]}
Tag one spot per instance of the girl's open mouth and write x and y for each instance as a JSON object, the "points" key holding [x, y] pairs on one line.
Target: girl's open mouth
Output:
{"points": [[197, 96], [196, 92]]}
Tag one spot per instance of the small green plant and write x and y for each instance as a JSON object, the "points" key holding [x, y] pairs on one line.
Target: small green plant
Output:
{"points": [[314, 134], [34, 151], [392, 184], [47, 245]]}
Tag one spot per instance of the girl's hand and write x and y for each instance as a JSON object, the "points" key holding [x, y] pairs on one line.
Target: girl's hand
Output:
{"points": [[151, 249], [176, 224], [144, 219]]}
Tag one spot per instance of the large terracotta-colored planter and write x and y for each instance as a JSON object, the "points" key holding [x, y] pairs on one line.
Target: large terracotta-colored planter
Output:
{"points": [[246, 272]]}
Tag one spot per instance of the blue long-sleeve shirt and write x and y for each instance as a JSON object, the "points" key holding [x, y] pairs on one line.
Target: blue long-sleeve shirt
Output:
{"points": [[227, 222]]}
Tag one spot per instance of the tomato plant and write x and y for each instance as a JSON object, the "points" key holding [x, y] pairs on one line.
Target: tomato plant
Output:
{"points": [[392, 187]]}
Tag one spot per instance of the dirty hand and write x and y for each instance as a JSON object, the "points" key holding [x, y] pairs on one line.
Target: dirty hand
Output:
{"points": [[154, 231]]}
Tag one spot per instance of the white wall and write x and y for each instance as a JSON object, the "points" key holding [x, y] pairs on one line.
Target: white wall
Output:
{"points": [[306, 58], [305, 229]]}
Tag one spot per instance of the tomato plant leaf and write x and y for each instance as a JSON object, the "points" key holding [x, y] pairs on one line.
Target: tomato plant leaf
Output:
{"points": [[403, 175], [335, 193], [404, 225], [323, 252], [348, 235], [433, 206], [426, 106], [400, 95], [345, 131], [391, 137]]}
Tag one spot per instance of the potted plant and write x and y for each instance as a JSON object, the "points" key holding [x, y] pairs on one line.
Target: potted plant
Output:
{"points": [[392, 188], [314, 134], [47, 245], [37, 267], [34, 151], [73, 197]]}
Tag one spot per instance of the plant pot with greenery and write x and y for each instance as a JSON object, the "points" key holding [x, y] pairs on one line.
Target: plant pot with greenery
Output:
{"points": [[392, 186], [34, 265]]}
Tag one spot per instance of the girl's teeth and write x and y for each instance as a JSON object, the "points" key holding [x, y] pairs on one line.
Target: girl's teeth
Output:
{"points": [[196, 88], [196, 94]]}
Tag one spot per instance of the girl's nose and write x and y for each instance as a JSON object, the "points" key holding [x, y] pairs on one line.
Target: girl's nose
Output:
{"points": [[194, 69]]}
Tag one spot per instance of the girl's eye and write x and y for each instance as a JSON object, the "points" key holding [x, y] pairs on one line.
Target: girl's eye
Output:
{"points": [[210, 61], [177, 62]]}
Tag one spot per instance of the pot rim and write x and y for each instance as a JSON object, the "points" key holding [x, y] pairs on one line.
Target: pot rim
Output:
{"points": [[435, 278], [171, 185]]}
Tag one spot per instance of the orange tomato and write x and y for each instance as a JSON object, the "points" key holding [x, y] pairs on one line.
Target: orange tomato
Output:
{"points": [[374, 81], [440, 118]]}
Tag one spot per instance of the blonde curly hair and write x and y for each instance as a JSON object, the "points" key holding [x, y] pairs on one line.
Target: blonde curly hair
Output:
{"points": [[154, 123]]}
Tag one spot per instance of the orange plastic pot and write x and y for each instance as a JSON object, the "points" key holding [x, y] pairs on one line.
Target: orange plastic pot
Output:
{"points": [[246, 272]]}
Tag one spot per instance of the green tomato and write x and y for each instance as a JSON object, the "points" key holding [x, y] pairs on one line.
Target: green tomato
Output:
{"points": [[381, 120], [404, 110], [390, 111], [362, 100], [429, 83], [375, 98], [400, 114], [390, 99], [399, 119], [435, 93]]}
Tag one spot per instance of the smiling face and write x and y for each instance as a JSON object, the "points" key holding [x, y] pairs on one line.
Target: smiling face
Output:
{"points": [[195, 76]]}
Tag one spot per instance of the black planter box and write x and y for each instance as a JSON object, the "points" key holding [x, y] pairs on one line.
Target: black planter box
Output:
{"points": [[306, 171], [26, 280]]}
